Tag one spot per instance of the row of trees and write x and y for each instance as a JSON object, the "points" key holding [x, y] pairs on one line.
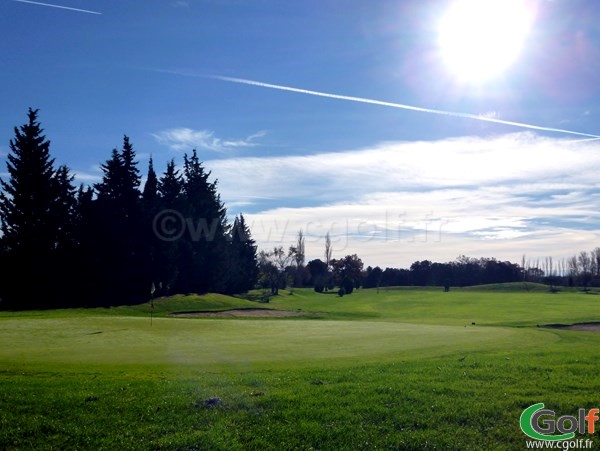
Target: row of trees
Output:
{"points": [[279, 269], [115, 242], [462, 272], [582, 269]]}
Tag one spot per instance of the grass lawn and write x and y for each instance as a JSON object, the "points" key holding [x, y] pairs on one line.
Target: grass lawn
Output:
{"points": [[389, 369]]}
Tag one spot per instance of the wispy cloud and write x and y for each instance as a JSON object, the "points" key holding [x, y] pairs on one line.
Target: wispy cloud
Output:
{"points": [[89, 177], [485, 117], [397, 202], [51, 5], [413, 166], [182, 139]]}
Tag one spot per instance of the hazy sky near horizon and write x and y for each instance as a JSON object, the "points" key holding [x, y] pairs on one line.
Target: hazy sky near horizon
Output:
{"points": [[418, 129]]}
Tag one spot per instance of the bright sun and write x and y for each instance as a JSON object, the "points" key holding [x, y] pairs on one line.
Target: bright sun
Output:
{"points": [[480, 39]]}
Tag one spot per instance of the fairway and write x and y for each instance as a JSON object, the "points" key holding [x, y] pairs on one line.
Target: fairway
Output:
{"points": [[399, 369], [208, 343]]}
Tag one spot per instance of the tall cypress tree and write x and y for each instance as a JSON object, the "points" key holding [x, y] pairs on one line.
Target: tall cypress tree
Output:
{"points": [[36, 208]]}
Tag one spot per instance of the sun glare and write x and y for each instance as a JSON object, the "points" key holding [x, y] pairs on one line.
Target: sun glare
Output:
{"points": [[480, 39]]}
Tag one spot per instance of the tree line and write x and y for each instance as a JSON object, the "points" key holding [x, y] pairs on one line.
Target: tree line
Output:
{"points": [[349, 273], [279, 269], [120, 242], [114, 242]]}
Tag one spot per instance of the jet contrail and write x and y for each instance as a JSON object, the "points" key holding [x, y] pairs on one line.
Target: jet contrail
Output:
{"points": [[399, 105], [58, 6]]}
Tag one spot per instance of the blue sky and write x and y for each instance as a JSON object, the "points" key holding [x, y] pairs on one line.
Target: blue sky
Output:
{"points": [[391, 184]]}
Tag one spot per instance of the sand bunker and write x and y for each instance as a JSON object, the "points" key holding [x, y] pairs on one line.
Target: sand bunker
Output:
{"points": [[242, 312], [585, 327]]}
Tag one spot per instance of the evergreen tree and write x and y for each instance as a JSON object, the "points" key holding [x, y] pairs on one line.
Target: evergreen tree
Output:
{"points": [[150, 193], [120, 243], [36, 212], [203, 263], [170, 187], [27, 198], [65, 210], [152, 244], [66, 241], [86, 279], [170, 191], [111, 186], [243, 273], [131, 175]]}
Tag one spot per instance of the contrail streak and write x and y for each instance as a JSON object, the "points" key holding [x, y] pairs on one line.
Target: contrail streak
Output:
{"points": [[57, 6], [399, 105]]}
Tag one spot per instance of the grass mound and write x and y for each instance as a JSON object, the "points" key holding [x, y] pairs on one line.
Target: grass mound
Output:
{"points": [[509, 286], [194, 302]]}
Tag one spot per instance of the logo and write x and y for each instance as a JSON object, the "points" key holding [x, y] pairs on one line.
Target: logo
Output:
{"points": [[542, 424]]}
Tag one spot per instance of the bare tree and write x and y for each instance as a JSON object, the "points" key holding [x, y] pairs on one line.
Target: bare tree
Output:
{"points": [[573, 266], [585, 267], [564, 268], [548, 267], [328, 250], [596, 261], [328, 253], [298, 251], [298, 255]]}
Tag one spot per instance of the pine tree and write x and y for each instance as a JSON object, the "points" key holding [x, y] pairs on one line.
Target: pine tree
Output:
{"points": [[27, 198], [131, 175], [65, 210], [151, 242], [120, 240], [170, 187], [36, 212], [204, 255], [111, 186], [243, 266], [168, 259], [150, 193]]}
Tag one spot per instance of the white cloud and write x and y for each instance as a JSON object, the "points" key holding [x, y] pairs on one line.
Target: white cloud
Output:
{"points": [[186, 139], [397, 202], [389, 167], [88, 177]]}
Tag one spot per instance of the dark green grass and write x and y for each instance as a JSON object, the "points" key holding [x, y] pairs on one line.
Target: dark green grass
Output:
{"points": [[434, 403], [388, 370]]}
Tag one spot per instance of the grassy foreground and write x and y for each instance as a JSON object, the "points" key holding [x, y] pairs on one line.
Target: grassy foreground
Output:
{"points": [[394, 369]]}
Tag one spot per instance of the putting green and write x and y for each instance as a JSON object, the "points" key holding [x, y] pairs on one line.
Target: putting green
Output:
{"points": [[210, 343]]}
